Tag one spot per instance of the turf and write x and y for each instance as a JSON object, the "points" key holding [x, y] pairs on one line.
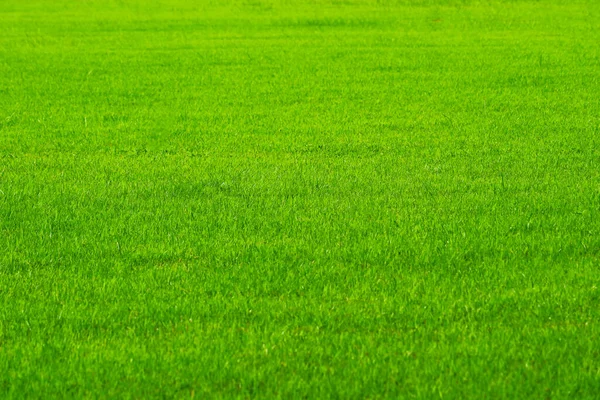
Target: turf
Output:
{"points": [[287, 199]]}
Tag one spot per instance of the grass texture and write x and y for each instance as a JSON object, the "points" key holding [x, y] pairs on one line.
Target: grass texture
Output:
{"points": [[299, 199]]}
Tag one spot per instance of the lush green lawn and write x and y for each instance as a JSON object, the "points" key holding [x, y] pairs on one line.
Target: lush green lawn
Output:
{"points": [[300, 199]]}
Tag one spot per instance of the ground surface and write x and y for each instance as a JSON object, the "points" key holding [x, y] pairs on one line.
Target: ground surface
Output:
{"points": [[287, 199]]}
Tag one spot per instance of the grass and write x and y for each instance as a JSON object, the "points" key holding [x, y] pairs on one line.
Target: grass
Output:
{"points": [[356, 199]]}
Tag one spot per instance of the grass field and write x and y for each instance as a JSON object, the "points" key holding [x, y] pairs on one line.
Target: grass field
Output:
{"points": [[320, 199]]}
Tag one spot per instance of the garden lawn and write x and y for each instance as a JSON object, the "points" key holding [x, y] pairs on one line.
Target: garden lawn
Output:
{"points": [[299, 199]]}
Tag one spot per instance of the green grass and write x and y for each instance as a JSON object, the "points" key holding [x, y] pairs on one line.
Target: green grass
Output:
{"points": [[345, 199]]}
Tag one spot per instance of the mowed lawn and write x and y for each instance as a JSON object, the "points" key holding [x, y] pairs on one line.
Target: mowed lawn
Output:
{"points": [[299, 199]]}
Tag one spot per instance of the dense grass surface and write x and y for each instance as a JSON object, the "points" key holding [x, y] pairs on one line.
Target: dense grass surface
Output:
{"points": [[288, 199]]}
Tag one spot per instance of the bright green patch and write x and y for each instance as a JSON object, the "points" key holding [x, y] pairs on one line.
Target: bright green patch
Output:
{"points": [[300, 199]]}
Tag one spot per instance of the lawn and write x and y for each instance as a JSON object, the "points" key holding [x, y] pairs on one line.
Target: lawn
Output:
{"points": [[300, 199]]}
